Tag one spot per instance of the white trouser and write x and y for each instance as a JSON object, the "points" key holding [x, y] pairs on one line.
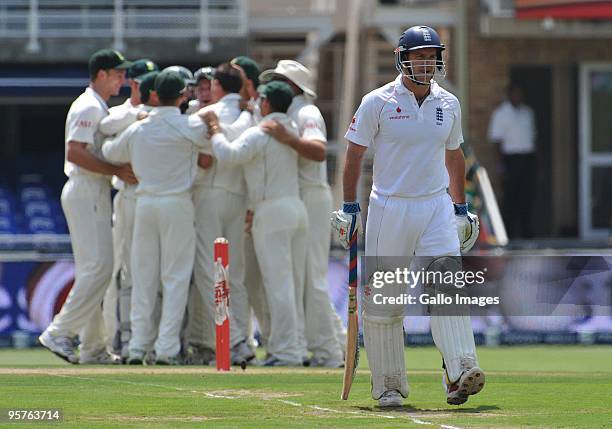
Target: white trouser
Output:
{"points": [[117, 302], [320, 330], [255, 289], [87, 207], [220, 214], [279, 235], [163, 251], [425, 226]]}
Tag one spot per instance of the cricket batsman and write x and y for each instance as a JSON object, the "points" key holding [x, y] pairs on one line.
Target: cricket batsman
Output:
{"points": [[417, 207]]}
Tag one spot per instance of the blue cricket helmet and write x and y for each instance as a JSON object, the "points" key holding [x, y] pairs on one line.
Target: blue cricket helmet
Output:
{"points": [[418, 37]]}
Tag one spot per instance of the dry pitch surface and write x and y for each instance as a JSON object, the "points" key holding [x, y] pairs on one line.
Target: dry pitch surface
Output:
{"points": [[537, 387]]}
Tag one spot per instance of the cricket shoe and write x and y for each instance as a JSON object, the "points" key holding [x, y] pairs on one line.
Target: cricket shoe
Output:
{"points": [[61, 346], [136, 358], [167, 360], [272, 361], [241, 352], [100, 358], [326, 363], [198, 354], [471, 382], [391, 398]]}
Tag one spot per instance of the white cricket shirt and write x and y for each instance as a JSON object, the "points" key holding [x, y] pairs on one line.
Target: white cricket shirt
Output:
{"points": [[270, 167], [408, 141], [311, 126], [514, 127], [218, 175], [163, 150], [82, 122]]}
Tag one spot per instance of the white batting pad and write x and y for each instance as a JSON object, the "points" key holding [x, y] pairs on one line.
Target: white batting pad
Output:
{"points": [[454, 338], [384, 342]]}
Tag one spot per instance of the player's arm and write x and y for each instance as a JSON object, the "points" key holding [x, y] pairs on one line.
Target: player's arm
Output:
{"points": [[455, 165], [118, 119], [312, 149], [239, 151], [352, 170], [78, 154]]}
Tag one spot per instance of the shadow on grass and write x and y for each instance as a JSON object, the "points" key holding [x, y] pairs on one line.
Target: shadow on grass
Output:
{"points": [[409, 409]]}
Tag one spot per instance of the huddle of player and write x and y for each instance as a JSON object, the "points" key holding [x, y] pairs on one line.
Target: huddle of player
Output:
{"points": [[193, 158]]}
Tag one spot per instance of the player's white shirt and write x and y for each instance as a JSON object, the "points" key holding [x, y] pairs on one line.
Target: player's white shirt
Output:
{"points": [[514, 127], [163, 150], [82, 122], [408, 141], [193, 107], [270, 168], [118, 120], [311, 126], [228, 177]]}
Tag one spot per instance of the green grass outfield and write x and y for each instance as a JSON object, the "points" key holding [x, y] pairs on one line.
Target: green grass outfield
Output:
{"points": [[542, 386]]}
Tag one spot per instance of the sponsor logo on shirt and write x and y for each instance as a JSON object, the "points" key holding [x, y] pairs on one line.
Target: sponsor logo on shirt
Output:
{"points": [[351, 125], [400, 117], [439, 116], [84, 124]]}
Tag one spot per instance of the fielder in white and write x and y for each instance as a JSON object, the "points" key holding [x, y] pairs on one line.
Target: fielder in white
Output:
{"points": [[87, 206], [280, 221], [163, 149], [118, 297], [219, 195], [413, 127], [310, 144]]}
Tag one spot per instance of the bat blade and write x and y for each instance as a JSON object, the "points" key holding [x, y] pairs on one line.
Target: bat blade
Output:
{"points": [[351, 359]]}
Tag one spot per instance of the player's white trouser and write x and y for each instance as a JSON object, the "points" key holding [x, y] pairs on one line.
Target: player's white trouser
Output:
{"points": [[320, 328], [425, 226], [87, 207], [279, 235], [163, 251], [220, 214], [117, 316], [255, 289]]}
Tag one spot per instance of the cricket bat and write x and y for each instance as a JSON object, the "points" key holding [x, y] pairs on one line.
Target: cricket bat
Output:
{"points": [[351, 358]]}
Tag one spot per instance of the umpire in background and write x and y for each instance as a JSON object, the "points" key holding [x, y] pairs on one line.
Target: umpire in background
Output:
{"points": [[512, 125]]}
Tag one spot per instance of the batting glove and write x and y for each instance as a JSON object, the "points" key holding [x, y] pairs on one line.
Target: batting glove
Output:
{"points": [[347, 222], [468, 227]]}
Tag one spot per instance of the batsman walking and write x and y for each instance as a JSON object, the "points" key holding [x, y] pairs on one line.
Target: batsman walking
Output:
{"points": [[417, 208]]}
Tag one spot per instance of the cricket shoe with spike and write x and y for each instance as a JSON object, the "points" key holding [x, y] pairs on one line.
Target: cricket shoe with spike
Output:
{"points": [[391, 398], [100, 358], [61, 346], [471, 382]]}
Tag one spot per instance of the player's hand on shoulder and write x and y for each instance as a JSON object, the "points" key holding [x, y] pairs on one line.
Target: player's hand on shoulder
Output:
{"points": [[346, 222], [211, 120], [125, 173], [468, 227], [276, 130], [205, 160]]}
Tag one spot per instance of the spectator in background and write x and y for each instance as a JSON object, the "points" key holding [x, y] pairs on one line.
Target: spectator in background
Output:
{"points": [[512, 126]]}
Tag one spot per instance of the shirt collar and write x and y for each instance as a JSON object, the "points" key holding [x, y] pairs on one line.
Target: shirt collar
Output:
{"points": [[434, 88], [97, 96], [165, 111]]}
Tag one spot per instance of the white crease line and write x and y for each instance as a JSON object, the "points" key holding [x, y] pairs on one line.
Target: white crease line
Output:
{"points": [[294, 404]]}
